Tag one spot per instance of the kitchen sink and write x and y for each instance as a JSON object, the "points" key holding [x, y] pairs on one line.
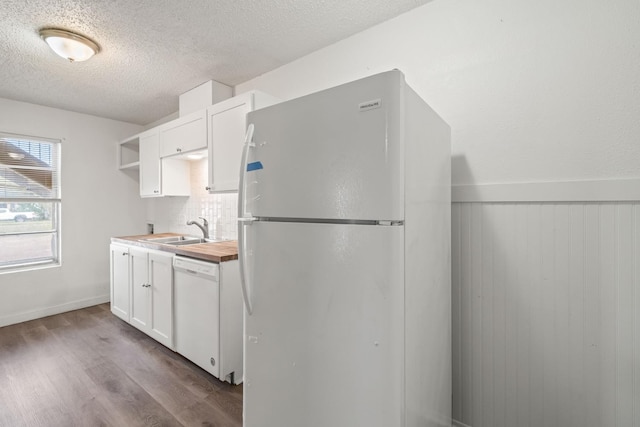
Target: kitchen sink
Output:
{"points": [[180, 240], [187, 241], [170, 239]]}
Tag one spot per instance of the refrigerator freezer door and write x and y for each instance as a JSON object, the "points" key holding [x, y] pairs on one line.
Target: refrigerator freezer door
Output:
{"points": [[336, 154], [324, 344]]}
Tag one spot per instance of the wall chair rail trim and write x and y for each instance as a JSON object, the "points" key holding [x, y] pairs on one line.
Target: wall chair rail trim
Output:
{"points": [[609, 190]]}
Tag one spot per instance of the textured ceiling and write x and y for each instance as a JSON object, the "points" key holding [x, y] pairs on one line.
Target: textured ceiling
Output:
{"points": [[154, 50]]}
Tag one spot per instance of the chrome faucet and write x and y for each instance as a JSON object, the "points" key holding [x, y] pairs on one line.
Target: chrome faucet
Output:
{"points": [[204, 226]]}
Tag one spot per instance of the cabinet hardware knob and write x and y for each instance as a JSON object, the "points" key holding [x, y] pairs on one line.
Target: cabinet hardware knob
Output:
{"points": [[207, 188], [124, 253], [179, 150]]}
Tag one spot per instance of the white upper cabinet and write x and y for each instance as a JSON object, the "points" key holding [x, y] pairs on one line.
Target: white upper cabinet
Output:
{"points": [[227, 125], [183, 135], [160, 152], [161, 177], [149, 164]]}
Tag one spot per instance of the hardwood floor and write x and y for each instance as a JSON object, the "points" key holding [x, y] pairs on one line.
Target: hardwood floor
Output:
{"points": [[89, 368]]}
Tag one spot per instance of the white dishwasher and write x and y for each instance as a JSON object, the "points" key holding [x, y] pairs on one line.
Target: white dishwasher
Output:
{"points": [[197, 312]]}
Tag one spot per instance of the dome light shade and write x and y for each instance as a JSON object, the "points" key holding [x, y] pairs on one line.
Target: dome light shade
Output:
{"points": [[71, 46]]}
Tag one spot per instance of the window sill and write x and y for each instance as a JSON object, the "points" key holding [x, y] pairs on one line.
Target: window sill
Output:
{"points": [[29, 267]]}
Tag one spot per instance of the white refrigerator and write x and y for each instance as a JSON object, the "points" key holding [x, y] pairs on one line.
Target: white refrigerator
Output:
{"points": [[344, 247]]}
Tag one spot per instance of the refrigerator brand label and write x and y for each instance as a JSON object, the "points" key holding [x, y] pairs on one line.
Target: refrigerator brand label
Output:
{"points": [[254, 166], [370, 105]]}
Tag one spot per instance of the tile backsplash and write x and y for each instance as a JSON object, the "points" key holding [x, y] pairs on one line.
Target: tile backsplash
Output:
{"points": [[170, 214]]}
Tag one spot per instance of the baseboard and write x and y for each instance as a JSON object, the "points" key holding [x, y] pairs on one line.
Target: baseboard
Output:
{"points": [[606, 190], [455, 423], [50, 311]]}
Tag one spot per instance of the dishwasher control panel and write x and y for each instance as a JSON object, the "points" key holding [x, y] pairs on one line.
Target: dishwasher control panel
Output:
{"points": [[194, 266]]}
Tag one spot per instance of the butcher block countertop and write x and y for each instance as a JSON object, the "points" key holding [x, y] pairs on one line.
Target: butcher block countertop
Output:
{"points": [[215, 252]]}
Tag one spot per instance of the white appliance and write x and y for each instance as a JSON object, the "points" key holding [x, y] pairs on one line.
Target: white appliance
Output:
{"points": [[207, 319], [197, 319], [344, 243]]}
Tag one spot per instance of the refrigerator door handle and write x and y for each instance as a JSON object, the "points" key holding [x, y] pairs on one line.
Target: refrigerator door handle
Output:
{"points": [[242, 202], [244, 218], [242, 248]]}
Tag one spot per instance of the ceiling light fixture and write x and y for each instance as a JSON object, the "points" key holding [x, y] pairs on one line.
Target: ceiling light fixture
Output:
{"points": [[71, 46]]}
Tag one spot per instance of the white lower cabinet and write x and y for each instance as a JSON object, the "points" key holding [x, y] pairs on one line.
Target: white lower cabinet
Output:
{"points": [[120, 298], [142, 290], [194, 309], [152, 294]]}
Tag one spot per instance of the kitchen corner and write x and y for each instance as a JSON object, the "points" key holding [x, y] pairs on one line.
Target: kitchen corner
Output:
{"points": [[186, 293]]}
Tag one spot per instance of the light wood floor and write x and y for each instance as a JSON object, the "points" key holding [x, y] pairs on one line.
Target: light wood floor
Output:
{"points": [[89, 368]]}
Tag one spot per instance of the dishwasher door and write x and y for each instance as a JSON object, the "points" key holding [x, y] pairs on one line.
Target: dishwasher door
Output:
{"points": [[197, 312]]}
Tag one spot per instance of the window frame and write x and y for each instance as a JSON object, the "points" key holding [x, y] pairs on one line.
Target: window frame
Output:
{"points": [[55, 260]]}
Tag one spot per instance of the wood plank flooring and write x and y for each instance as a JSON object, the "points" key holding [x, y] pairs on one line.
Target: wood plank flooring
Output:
{"points": [[89, 368]]}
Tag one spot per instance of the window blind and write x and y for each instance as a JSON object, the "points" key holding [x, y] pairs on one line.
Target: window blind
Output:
{"points": [[29, 168]]}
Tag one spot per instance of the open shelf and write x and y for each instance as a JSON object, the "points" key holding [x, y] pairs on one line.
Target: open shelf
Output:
{"points": [[129, 154], [131, 166]]}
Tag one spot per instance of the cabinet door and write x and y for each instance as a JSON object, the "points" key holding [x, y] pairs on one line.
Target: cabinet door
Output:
{"points": [[120, 281], [161, 297], [175, 175], [188, 133], [139, 288], [150, 165], [226, 138]]}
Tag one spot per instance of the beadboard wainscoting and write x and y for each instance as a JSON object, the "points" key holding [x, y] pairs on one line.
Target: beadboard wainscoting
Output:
{"points": [[546, 313]]}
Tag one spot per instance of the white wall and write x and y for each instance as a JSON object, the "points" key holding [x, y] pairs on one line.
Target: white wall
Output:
{"points": [[533, 90], [98, 201], [544, 92]]}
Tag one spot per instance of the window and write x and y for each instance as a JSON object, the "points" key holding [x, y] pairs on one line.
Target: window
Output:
{"points": [[29, 201]]}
